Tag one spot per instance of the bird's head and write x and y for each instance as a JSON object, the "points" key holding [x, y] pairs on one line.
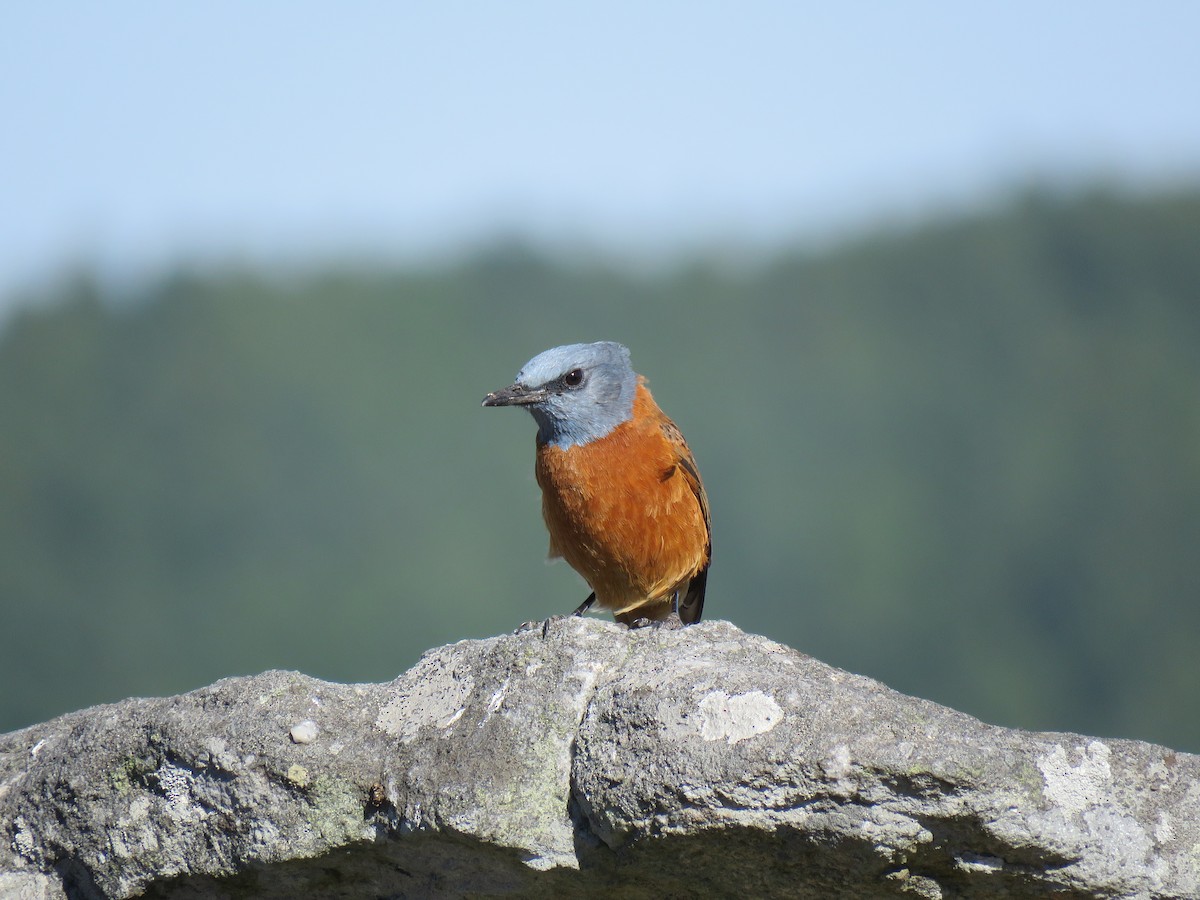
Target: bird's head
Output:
{"points": [[577, 392]]}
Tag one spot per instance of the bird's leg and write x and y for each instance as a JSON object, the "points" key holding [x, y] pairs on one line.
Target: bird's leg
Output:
{"points": [[672, 620], [585, 605]]}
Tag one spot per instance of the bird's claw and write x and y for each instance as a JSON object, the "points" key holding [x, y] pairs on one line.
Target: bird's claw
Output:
{"points": [[543, 626], [546, 625], [671, 622]]}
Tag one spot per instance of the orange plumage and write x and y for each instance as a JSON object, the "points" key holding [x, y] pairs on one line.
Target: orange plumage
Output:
{"points": [[628, 512]]}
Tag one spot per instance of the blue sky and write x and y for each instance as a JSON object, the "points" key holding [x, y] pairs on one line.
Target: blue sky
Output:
{"points": [[138, 134]]}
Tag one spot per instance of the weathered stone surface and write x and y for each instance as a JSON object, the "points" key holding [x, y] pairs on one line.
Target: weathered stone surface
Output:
{"points": [[588, 761]]}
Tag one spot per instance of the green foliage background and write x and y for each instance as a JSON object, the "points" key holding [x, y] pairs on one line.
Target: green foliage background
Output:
{"points": [[962, 457]]}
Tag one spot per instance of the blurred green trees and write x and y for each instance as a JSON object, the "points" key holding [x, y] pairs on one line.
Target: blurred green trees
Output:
{"points": [[963, 458]]}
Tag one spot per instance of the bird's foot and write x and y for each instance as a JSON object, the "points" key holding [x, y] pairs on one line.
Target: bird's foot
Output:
{"points": [[542, 626]]}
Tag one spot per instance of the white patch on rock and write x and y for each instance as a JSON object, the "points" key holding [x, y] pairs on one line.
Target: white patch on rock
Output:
{"points": [[1164, 831], [435, 701], [1075, 788], [587, 677], [31, 885], [23, 841], [1132, 849], [737, 717], [139, 809], [304, 732], [979, 862], [175, 783], [837, 764]]}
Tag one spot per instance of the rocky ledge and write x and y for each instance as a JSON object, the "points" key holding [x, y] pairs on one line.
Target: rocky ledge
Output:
{"points": [[585, 759]]}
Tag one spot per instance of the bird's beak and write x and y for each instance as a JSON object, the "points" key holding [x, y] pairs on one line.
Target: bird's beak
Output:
{"points": [[514, 395]]}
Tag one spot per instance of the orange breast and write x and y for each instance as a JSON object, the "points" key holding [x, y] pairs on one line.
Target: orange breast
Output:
{"points": [[625, 512]]}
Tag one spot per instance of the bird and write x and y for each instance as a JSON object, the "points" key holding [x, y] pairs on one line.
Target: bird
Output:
{"points": [[622, 497]]}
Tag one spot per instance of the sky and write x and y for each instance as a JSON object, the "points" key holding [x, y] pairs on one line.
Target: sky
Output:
{"points": [[140, 135]]}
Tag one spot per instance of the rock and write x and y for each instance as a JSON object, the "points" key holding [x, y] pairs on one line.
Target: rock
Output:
{"points": [[588, 761]]}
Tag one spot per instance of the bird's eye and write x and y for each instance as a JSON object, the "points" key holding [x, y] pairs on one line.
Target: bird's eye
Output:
{"points": [[574, 378]]}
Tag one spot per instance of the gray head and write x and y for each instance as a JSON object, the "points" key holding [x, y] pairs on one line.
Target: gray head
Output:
{"points": [[577, 393]]}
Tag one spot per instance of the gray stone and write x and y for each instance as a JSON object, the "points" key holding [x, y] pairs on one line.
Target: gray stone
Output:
{"points": [[585, 761]]}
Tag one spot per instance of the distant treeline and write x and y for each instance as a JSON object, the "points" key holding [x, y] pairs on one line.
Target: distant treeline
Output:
{"points": [[963, 458]]}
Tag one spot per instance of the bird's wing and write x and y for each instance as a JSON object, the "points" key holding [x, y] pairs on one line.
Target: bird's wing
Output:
{"points": [[691, 605]]}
